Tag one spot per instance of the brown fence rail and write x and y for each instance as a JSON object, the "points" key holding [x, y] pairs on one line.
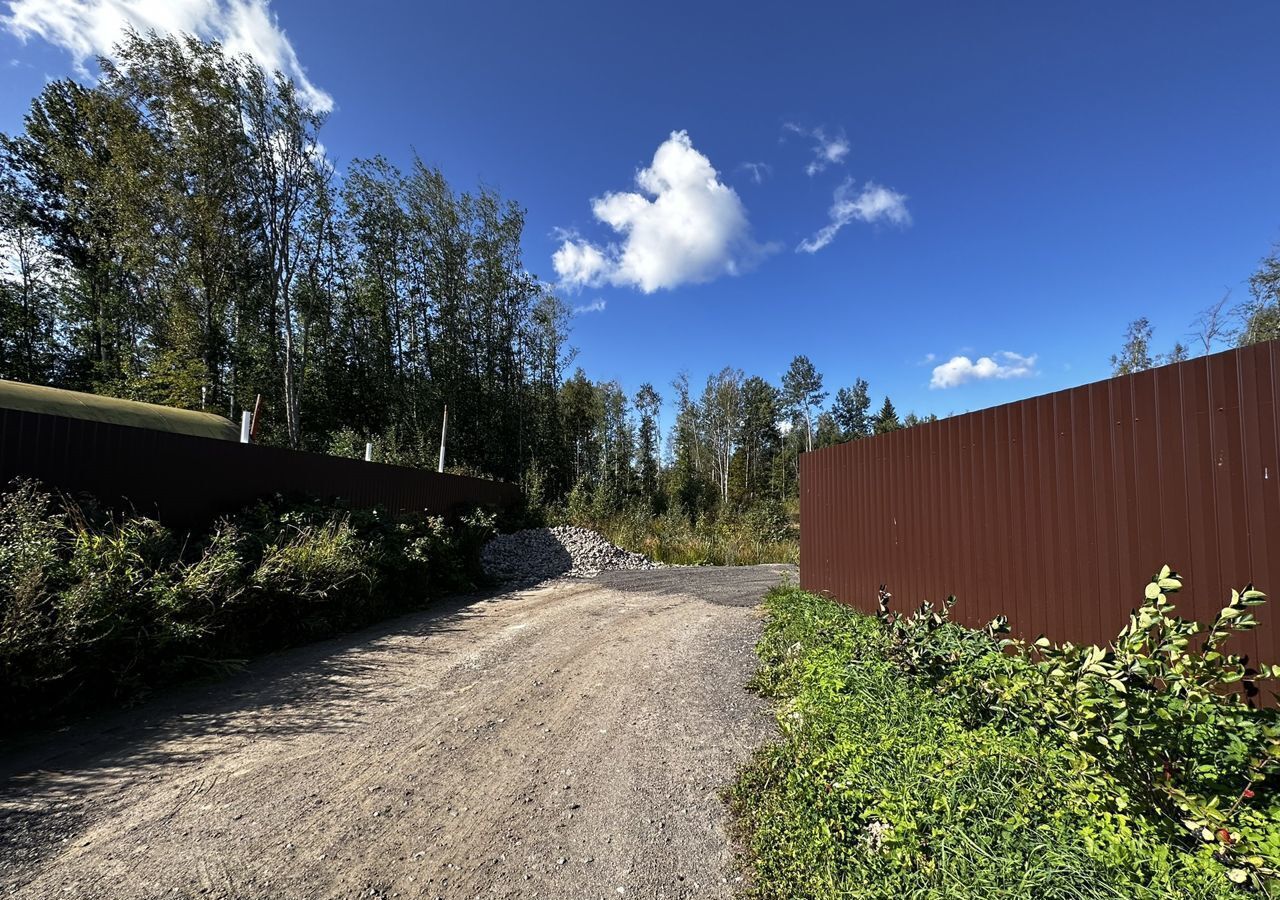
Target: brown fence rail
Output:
{"points": [[1056, 510], [185, 480]]}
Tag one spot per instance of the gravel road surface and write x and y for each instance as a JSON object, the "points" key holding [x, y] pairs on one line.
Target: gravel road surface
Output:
{"points": [[567, 741]]}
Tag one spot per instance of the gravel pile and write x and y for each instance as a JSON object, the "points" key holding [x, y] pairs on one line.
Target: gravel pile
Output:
{"points": [[536, 554]]}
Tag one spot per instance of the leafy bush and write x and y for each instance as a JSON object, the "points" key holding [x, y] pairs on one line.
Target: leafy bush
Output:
{"points": [[1161, 710], [96, 608], [923, 759]]}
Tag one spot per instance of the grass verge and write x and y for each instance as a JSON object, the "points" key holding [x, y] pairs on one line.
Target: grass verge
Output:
{"points": [[902, 780]]}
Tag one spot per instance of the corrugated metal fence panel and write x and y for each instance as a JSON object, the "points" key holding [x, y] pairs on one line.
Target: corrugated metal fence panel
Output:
{"points": [[184, 479], [1056, 510]]}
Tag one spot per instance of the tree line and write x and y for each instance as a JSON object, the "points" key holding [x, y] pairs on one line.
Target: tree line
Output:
{"points": [[176, 233], [1252, 321]]}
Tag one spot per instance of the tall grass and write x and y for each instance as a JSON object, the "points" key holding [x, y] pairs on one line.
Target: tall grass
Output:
{"points": [[97, 608], [765, 535]]}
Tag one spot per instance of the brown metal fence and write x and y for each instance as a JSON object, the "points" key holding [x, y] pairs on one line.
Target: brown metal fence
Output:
{"points": [[1056, 510], [189, 480]]}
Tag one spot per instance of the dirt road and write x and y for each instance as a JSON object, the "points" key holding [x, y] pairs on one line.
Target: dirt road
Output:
{"points": [[569, 741]]}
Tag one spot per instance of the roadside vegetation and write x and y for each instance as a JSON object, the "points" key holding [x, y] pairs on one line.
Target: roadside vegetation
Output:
{"points": [[99, 608], [761, 534], [923, 759]]}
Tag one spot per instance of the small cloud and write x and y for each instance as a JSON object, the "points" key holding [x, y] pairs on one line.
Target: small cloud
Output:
{"points": [[579, 262], [928, 359], [872, 204], [91, 28], [757, 170], [597, 306], [828, 150], [683, 226], [961, 369]]}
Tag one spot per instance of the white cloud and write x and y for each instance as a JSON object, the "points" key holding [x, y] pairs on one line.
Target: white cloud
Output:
{"points": [[91, 28], [597, 306], [683, 226], [827, 150], [758, 170], [580, 263], [960, 369], [871, 205]]}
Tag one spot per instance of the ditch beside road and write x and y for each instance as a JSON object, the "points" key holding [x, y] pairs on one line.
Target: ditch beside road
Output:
{"points": [[567, 741]]}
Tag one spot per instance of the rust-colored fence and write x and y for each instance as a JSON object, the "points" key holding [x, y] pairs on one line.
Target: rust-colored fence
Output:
{"points": [[188, 480], [1056, 510]]}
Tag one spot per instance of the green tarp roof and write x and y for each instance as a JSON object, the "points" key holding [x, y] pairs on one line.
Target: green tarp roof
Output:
{"points": [[75, 405]]}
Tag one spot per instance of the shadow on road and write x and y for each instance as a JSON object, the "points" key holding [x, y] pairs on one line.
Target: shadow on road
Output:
{"points": [[50, 781]]}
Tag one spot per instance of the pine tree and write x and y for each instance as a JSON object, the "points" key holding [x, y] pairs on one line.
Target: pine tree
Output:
{"points": [[887, 418], [851, 410]]}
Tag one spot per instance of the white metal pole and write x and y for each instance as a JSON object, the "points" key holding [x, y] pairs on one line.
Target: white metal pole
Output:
{"points": [[444, 433], [368, 451], [246, 419]]}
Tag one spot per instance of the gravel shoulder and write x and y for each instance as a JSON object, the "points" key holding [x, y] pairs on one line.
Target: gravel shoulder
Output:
{"points": [[566, 741]]}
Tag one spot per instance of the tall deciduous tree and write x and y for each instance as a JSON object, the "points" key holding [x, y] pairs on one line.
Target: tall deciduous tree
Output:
{"points": [[1135, 353], [803, 394], [1260, 314], [722, 422], [28, 292]]}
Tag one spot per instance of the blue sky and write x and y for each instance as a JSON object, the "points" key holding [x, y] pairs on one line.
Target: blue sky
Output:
{"points": [[1018, 179]]}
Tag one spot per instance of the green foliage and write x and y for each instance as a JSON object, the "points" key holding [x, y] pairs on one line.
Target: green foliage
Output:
{"points": [[1260, 315], [923, 759], [1162, 710], [1135, 354], [765, 533], [887, 419], [852, 410], [95, 609]]}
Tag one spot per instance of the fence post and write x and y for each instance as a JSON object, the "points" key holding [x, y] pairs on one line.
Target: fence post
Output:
{"points": [[444, 431], [246, 419], [368, 451]]}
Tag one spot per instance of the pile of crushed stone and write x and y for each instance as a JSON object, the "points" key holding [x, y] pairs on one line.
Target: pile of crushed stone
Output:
{"points": [[536, 554]]}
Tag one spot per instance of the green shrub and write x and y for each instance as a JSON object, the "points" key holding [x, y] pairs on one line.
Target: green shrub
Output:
{"points": [[923, 759], [1161, 710], [33, 563], [97, 608]]}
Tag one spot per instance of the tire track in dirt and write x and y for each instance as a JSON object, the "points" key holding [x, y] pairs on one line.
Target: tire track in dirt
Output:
{"points": [[569, 741]]}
